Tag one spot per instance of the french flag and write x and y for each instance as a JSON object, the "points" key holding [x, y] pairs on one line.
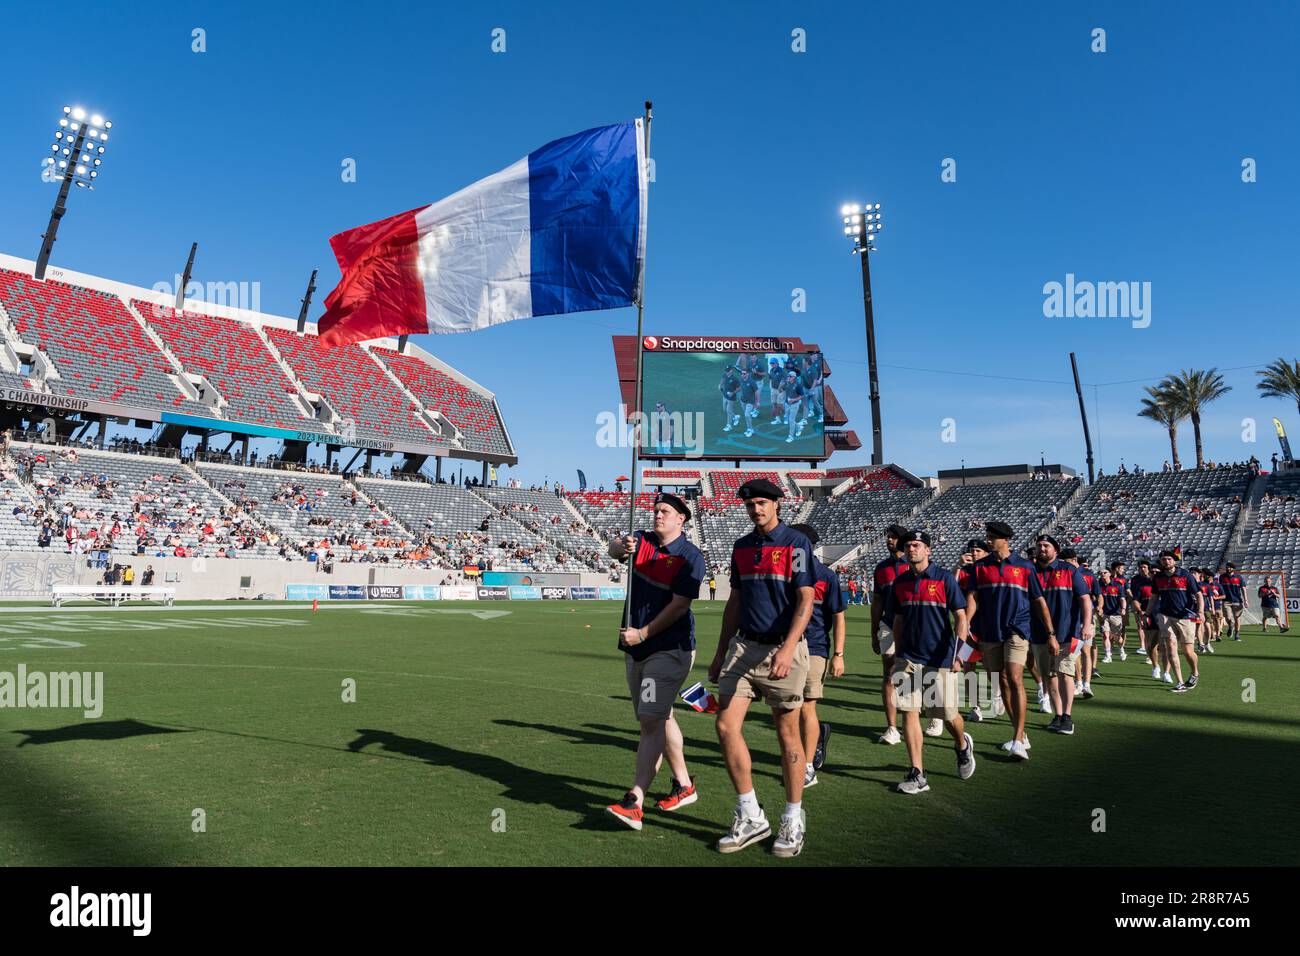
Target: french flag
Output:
{"points": [[700, 698], [968, 652], [562, 230]]}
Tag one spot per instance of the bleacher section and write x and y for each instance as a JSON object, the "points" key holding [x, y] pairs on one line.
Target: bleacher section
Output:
{"points": [[721, 517], [545, 514], [1277, 548], [474, 414], [876, 499], [355, 385], [1125, 517], [959, 514], [99, 349], [606, 511], [233, 359]]}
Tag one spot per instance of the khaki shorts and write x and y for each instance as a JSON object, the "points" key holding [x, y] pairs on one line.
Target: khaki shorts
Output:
{"points": [[933, 690], [745, 674], [815, 687], [655, 682], [1113, 624], [1271, 613], [997, 654], [1177, 628], [886, 635], [1050, 665]]}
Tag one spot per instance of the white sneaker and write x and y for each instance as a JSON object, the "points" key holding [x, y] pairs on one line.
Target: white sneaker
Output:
{"points": [[1142, 651], [809, 779], [735, 419], [1106, 659], [891, 736], [776, 421], [1155, 672], [789, 840], [789, 440], [1019, 750], [1008, 745], [1209, 648], [1168, 679], [726, 428], [1122, 655], [1045, 705], [999, 708], [744, 832], [935, 729], [975, 716], [748, 433], [1025, 741]]}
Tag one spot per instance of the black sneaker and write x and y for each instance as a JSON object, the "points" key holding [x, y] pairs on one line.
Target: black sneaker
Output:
{"points": [[823, 739], [1191, 682], [1066, 725], [1055, 726]]}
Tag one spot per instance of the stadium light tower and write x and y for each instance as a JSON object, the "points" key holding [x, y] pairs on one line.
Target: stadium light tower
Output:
{"points": [[75, 157], [862, 225]]}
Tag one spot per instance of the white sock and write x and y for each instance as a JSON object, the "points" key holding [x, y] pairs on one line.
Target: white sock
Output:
{"points": [[792, 810], [749, 805], [807, 769]]}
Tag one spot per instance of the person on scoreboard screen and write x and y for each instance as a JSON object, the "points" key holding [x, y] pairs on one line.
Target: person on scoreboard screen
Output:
{"points": [[661, 429], [748, 400], [659, 649], [812, 383], [730, 389], [794, 393], [776, 376]]}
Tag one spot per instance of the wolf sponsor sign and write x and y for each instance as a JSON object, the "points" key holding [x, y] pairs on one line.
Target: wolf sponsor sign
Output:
{"points": [[494, 593], [555, 594], [385, 592]]}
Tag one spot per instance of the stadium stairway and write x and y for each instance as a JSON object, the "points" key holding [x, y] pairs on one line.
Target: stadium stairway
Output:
{"points": [[1242, 533]]}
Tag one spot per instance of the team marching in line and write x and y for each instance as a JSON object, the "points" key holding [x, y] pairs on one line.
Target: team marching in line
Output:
{"points": [[783, 632]]}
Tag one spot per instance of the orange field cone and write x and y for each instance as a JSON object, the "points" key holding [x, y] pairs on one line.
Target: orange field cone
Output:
{"points": [[313, 604]]}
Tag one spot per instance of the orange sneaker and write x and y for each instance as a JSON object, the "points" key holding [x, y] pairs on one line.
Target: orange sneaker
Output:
{"points": [[626, 811], [680, 797]]}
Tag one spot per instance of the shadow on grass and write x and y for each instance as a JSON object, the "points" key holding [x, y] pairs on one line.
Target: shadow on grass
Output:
{"points": [[94, 730]]}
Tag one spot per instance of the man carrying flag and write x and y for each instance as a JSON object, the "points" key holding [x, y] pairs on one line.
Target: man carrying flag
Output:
{"points": [[659, 645]]}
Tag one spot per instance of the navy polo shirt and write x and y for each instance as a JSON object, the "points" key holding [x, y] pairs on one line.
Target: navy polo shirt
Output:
{"points": [[828, 601], [1268, 596], [1112, 596], [1063, 585], [1176, 594], [1232, 587], [730, 385], [1214, 592], [767, 570], [657, 574], [1140, 588], [794, 389], [882, 579], [1004, 592], [749, 391], [925, 601]]}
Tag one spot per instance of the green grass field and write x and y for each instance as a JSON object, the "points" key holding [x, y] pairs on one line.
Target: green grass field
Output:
{"points": [[472, 714]]}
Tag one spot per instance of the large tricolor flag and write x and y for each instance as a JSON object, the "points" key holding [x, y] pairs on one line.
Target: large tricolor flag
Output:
{"points": [[562, 230]]}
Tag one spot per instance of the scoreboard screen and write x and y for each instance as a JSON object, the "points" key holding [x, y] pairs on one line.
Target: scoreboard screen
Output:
{"points": [[744, 405]]}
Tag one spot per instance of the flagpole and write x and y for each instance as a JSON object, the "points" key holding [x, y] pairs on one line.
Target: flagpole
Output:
{"points": [[636, 443]]}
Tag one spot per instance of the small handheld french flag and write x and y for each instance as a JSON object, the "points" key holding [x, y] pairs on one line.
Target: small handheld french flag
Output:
{"points": [[968, 652], [699, 697], [1074, 647]]}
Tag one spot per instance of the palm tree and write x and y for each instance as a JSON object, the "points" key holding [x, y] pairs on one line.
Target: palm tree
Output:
{"points": [[1281, 380], [1161, 408], [1191, 390]]}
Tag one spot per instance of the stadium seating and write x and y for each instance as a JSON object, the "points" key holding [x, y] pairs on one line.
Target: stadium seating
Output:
{"points": [[234, 359], [959, 513], [1276, 548], [473, 413], [722, 518], [97, 346], [547, 516], [606, 511], [875, 500], [355, 385], [1125, 517]]}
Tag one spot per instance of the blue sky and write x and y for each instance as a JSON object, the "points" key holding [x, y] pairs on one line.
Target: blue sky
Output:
{"points": [[1115, 166]]}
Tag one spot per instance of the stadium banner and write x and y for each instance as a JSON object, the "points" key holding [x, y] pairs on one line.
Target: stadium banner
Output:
{"points": [[306, 592], [493, 594], [63, 403], [385, 592], [555, 594], [459, 592], [267, 431], [522, 593], [421, 592], [347, 592], [532, 578], [613, 594], [584, 594], [1293, 605]]}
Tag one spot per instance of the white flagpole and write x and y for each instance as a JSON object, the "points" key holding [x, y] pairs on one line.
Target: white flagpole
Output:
{"points": [[636, 442]]}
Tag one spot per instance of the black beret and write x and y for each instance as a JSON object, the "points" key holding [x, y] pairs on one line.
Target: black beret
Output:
{"points": [[999, 529], [1169, 553], [974, 543], [895, 531], [807, 530], [759, 488], [675, 502], [1067, 554], [915, 536], [1049, 539]]}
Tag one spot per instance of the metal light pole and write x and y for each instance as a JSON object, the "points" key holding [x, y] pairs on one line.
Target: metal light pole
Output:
{"points": [[76, 161], [862, 223]]}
